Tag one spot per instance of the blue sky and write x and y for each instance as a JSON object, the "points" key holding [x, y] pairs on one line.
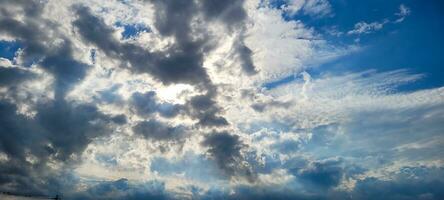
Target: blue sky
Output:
{"points": [[8, 49], [236, 99], [414, 44]]}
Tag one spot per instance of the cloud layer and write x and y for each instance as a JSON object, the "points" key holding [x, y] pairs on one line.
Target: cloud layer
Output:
{"points": [[165, 99]]}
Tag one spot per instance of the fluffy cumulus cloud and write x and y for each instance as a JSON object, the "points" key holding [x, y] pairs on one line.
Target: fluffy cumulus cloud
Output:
{"points": [[166, 99]]}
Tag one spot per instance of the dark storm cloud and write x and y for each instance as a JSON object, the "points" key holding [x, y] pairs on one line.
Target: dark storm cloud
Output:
{"points": [[65, 68], [201, 107], [70, 128], [30, 30], [181, 63], [146, 104], [410, 183], [231, 12], [56, 121], [14, 75], [94, 30], [322, 174], [28, 34], [264, 193], [110, 96], [31, 33], [204, 108], [59, 132], [123, 189], [14, 141], [261, 106], [245, 58], [156, 130], [31, 8], [173, 18], [225, 149]]}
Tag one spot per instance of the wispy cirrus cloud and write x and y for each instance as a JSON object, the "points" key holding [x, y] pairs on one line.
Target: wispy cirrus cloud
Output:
{"points": [[370, 27]]}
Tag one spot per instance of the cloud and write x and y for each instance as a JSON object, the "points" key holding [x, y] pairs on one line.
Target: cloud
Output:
{"points": [[230, 12], [145, 104], [60, 132], [122, 189], [245, 54], [182, 63], [204, 108], [327, 173], [170, 100], [411, 183], [404, 11], [184, 60], [313, 8], [194, 167], [366, 27], [33, 38], [226, 150], [14, 75], [156, 130], [318, 8]]}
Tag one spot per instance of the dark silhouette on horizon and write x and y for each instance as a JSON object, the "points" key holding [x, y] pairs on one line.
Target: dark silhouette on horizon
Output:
{"points": [[56, 197]]}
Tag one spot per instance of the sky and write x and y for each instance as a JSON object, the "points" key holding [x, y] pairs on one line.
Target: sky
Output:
{"points": [[235, 99]]}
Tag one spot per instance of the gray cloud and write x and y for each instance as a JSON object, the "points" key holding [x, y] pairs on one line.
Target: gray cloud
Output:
{"points": [[156, 130], [58, 133], [410, 183], [181, 63], [259, 193], [60, 130], [192, 166], [263, 106], [231, 12], [322, 174], [226, 150], [146, 104], [65, 68], [14, 75], [246, 60], [204, 108], [123, 189], [31, 33]]}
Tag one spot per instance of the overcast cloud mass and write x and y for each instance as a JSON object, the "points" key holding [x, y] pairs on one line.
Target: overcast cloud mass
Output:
{"points": [[212, 99]]}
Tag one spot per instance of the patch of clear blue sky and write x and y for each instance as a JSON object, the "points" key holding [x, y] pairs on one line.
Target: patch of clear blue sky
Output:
{"points": [[8, 49], [132, 30], [416, 44]]}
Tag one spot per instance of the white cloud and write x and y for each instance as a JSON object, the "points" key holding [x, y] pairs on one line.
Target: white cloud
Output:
{"points": [[404, 11], [314, 8], [365, 28]]}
